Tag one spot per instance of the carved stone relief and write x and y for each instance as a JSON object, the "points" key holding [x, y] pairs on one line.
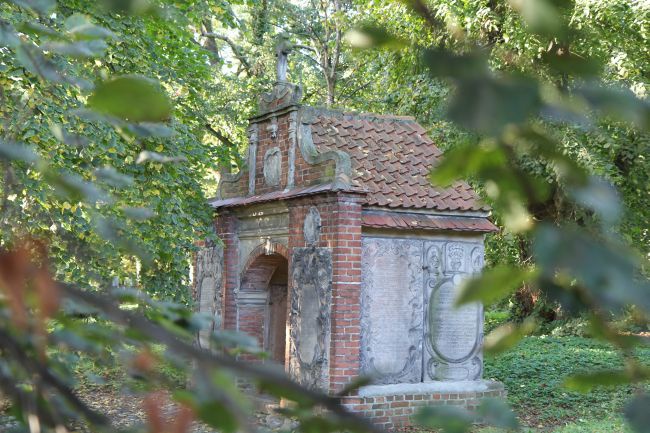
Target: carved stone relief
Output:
{"points": [[312, 226], [453, 336], [283, 95], [391, 310], [309, 316], [209, 271], [272, 166], [411, 330]]}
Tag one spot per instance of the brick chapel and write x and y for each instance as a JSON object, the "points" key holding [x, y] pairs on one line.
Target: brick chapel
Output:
{"points": [[342, 259]]}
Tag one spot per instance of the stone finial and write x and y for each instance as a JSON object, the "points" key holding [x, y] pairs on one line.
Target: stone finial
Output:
{"points": [[282, 50], [284, 94]]}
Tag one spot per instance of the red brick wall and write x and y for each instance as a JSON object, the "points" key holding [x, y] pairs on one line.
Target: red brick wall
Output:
{"points": [[251, 322], [305, 174], [265, 143], [226, 228], [395, 411], [340, 231]]}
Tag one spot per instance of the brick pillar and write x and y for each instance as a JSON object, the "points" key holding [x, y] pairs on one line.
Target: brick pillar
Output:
{"points": [[345, 231], [226, 227], [341, 233]]}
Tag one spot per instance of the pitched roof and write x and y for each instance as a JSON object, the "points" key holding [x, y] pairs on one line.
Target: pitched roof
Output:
{"points": [[391, 158]]}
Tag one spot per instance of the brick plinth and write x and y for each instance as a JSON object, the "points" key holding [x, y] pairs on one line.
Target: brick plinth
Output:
{"points": [[393, 406]]}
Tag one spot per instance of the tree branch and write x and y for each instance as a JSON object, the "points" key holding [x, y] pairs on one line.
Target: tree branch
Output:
{"points": [[30, 364], [262, 372], [220, 136], [237, 51]]}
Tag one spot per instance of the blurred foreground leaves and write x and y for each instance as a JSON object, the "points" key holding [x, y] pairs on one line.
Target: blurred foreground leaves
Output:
{"points": [[585, 268]]}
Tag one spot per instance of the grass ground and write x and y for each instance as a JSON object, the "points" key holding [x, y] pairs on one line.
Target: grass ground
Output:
{"points": [[533, 373]]}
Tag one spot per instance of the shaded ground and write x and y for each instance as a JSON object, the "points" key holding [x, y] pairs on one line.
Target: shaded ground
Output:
{"points": [[533, 373]]}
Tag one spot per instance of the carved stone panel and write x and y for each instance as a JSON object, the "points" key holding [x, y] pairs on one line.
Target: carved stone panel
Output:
{"points": [[309, 316], [453, 336], [272, 166], [209, 270], [391, 310]]}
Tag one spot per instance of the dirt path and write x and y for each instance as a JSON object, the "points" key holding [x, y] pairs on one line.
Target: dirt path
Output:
{"points": [[126, 411]]}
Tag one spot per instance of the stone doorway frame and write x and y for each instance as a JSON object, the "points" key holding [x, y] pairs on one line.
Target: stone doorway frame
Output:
{"points": [[267, 259]]}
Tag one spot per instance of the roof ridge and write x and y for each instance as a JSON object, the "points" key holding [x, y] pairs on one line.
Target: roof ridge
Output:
{"points": [[332, 112]]}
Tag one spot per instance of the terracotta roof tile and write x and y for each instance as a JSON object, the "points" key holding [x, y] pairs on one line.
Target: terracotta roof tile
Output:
{"points": [[427, 222], [391, 158]]}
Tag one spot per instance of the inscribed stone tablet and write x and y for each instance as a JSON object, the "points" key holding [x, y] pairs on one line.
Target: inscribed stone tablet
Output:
{"points": [[454, 330], [309, 329], [391, 310]]}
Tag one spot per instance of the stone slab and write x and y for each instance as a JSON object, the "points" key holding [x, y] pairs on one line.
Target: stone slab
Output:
{"points": [[437, 387], [208, 283], [391, 310], [309, 316], [454, 335]]}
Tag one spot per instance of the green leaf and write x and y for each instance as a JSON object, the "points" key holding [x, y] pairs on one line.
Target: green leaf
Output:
{"points": [[131, 7], [493, 284], [447, 64], [497, 412], [216, 414], [467, 160], [507, 336], [355, 384], [149, 156], [450, 419], [637, 413], [78, 49], [541, 16], [75, 188], [113, 177], [43, 7], [572, 64], [586, 382], [609, 272], [133, 98], [8, 36], [80, 27], [369, 36], [38, 29], [620, 103], [138, 213], [18, 152], [150, 129], [486, 105], [34, 61], [601, 197]]}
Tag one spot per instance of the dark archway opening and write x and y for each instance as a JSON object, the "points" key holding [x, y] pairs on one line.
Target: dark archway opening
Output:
{"points": [[266, 317]]}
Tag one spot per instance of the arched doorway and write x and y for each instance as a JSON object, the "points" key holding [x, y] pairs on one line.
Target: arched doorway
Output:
{"points": [[262, 303]]}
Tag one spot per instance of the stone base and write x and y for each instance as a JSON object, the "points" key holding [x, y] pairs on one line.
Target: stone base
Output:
{"points": [[392, 406]]}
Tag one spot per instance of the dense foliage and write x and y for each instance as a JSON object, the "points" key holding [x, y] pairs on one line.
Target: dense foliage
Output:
{"points": [[164, 202], [117, 114]]}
